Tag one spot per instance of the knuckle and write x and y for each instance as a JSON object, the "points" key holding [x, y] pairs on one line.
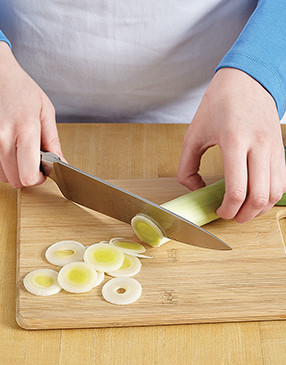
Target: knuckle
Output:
{"points": [[55, 142], [262, 138], [259, 200], [230, 139], [55, 146], [47, 101], [52, 108], [26, 130], [237, 195], [48, 109]]}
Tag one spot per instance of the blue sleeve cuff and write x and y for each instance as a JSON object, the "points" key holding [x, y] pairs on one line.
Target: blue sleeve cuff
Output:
{"points": [[260, 48], [261, 72], [4, 39]]}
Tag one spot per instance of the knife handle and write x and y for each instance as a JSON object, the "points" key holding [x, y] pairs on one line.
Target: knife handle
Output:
{"points": [[47, 161]]}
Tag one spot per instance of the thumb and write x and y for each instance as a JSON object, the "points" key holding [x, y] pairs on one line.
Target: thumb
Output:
{"points": [[189, 164], [50, 141]]}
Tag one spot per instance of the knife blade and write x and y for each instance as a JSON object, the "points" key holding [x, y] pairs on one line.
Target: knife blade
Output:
{"points": [[113, 201]]}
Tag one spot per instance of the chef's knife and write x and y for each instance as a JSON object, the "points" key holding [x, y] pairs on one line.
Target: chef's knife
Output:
{"points": [[113, 201]]}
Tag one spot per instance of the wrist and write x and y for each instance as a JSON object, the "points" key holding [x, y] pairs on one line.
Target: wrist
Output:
{"points": [[6, 55], [4, 46], [239, 83], [265, 73]]}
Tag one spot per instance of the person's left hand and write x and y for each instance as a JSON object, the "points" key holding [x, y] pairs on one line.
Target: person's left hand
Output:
{"points": [[240, 116]]}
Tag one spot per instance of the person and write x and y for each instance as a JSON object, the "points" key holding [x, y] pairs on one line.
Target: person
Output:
{"points": [[150, 62]]}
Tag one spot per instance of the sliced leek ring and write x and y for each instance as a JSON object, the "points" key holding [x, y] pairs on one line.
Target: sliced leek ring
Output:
{"points": [[42, 282], [128, 246], [130, 267], [142, 256], [104, 257], [77, 277], [121, 291], [100, 278], [64, 252], [147, 231]]}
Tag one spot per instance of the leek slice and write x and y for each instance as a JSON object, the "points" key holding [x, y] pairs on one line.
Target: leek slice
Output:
{"points": [[77, 277], [100, 278], [142, 256], [42, 282], [121, 291], [104, 257], [148, 231], [64, 252], [130, 267], [128, 246]]}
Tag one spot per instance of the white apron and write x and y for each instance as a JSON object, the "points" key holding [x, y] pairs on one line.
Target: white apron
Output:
{"points": [[123, 60]]}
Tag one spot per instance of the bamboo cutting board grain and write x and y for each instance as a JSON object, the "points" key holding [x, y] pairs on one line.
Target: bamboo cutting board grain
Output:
{"points": [[181, 283]]}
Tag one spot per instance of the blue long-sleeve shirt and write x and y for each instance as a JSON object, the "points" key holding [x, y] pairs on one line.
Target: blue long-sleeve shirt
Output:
{"points": [[260, 49]]}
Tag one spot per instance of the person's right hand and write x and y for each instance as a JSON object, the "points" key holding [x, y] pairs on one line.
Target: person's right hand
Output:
{"points": [[27, 124]]}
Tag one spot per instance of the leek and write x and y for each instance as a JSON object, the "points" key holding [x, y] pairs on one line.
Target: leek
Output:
{"points": [[121, 291], [127, 246], [117, 258], [104, 257], [65, 252], [148, 231], [199, 207], [42, 282], [130, 267], [77, 277]]}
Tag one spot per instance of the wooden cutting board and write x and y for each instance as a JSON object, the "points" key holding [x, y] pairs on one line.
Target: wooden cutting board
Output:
{"points": [[181, 283]]}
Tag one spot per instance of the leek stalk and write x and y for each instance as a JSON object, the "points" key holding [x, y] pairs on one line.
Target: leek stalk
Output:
{"points": [[197, 206]]}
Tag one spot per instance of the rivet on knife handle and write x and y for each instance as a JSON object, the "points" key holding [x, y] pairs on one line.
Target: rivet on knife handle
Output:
{"points": [[47, 160]]}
